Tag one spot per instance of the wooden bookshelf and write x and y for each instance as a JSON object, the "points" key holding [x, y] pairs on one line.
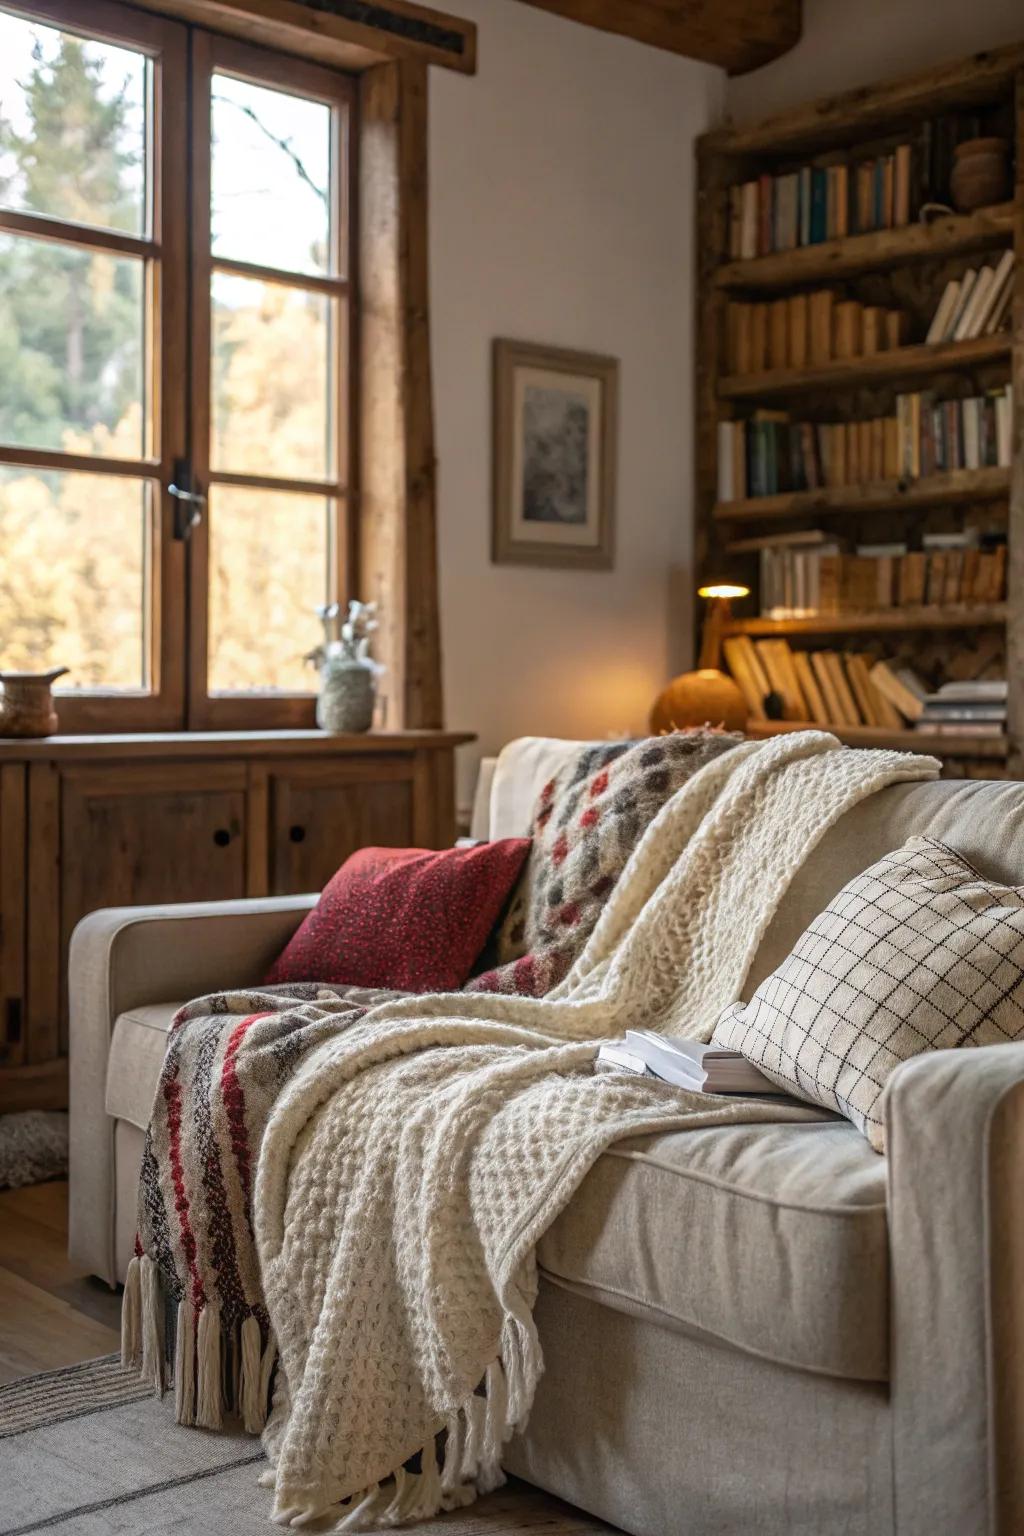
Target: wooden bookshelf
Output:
{"points": [[956, 487], [877, 621], [900, 366], [906, 269], [987, 748], [822, 264], [849, 117]]}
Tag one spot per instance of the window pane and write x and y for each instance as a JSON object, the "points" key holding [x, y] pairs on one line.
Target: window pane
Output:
{"points": [[72, 127], [73, 576], [71, 348], [271, 376], [270, 199], [269, 571]]}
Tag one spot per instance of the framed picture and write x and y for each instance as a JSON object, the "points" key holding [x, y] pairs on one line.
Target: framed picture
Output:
{"points": [[555, 423]]}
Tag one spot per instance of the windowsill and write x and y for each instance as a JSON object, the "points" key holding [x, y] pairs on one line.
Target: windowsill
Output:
{"points": [[165, 744]]}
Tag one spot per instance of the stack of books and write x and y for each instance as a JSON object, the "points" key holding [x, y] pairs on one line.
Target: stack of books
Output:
{"points": [[977, 304], [852, 689], [965, 709], [807, 329], [937, 435], [821, 202], [822, 687], [811, 572], [686, 1063]]}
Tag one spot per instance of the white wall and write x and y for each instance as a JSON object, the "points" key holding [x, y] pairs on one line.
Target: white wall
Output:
{"points": [[860, 42], [561, 212]]}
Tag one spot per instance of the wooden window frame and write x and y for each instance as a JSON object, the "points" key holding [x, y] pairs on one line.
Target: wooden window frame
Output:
{"points": [[179, 268], [388, 534], [210, 53], [165, 42]]}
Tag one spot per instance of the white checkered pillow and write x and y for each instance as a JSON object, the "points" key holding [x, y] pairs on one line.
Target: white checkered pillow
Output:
{"points": [[919, 953]]}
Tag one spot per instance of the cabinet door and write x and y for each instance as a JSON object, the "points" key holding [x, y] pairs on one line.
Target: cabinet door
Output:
{"points": [[12, 914], [322, 812], [130, 836]]}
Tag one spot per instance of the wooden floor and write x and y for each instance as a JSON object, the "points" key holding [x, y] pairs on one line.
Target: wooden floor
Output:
{"points": [[49, 1314]]}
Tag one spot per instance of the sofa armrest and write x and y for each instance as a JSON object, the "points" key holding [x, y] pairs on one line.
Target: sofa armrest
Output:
{"points": [[120, 958], [955, 1146]]}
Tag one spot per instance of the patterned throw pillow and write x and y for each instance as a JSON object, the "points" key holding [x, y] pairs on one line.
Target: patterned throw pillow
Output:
{"points": [[404, 918], [919, 953], [588, 820]]}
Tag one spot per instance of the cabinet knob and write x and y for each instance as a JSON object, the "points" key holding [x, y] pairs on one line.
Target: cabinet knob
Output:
{"points": [[222, 837], [297, 834]]}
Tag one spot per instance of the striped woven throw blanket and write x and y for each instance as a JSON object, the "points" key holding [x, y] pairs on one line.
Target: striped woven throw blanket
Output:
{"points": [[194, 1309]]}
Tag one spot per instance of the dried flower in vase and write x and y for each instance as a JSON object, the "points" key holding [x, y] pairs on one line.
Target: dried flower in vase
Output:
{"points": [[348, 673]]}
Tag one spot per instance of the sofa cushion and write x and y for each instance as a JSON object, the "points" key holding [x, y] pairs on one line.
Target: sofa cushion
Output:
{"points": [[918, 953], [414, 919], [137, 1049], [772, 1238]]}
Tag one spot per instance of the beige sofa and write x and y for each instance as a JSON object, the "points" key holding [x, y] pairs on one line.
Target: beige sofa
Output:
{"points": [[759, 1329]]}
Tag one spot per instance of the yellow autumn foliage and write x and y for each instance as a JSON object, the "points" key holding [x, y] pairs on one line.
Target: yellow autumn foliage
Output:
{"points": [[76, 551]]}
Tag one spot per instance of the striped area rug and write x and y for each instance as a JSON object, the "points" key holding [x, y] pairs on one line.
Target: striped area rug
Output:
{"points": [[56, 1396], [86, 1451]]}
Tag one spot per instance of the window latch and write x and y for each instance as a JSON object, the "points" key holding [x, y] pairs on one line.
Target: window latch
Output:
{"points": [[188, 504]]}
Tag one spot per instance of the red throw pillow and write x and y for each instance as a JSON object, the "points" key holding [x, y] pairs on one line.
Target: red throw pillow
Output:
{"points": [[404, 917]]}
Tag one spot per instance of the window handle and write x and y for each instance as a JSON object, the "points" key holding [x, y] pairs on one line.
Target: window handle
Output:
{"points": [[188, 512]]}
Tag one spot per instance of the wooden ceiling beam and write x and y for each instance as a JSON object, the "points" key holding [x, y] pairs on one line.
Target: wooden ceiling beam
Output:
{"points": [[331, 31], [738, 35]]}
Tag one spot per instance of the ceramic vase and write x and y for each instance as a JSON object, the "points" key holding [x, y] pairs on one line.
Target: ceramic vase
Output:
{"points": [[347, 697]]}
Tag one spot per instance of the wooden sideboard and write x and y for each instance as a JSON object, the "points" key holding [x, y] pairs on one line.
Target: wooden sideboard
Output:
{"points": [[100, 821]]}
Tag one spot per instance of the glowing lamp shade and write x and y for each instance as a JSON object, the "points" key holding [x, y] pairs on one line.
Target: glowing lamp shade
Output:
{"points": [[707, 696], [724, 589]]}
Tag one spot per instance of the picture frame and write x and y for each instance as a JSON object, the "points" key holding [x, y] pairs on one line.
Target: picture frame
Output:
{"points": [[554, 456]]}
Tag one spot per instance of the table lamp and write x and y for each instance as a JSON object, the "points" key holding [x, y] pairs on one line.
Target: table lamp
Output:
{"points": [[707, 696]]}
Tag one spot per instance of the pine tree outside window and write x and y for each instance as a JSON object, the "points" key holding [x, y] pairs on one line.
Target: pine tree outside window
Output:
{"points": [[175, 398]]}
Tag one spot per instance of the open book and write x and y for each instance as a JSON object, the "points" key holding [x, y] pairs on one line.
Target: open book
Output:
{"points": [[686, 1063]]}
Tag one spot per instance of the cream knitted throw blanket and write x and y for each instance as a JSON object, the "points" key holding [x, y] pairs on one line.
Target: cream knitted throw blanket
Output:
{"points": [[410, 1168]]}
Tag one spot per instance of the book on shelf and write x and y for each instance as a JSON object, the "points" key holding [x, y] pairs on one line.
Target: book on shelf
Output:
{"points": [[824, 687], [852, 689], [804, 576], [961, 707], [977, 728], [938, 435], [768, 454], [989, 690], [902, 687], [823, 674], [815, 327], [821, 202], [877, 185], [748, 673], [689, 1064], [809, 687], [976, 304], [779, 540]]}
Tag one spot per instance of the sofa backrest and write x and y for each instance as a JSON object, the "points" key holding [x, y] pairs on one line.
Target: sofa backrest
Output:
{"points": [[982, 819]]}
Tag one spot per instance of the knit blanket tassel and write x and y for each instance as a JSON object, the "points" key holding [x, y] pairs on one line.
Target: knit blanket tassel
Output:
{"points": [[215, 1370], [468, 1463]]}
